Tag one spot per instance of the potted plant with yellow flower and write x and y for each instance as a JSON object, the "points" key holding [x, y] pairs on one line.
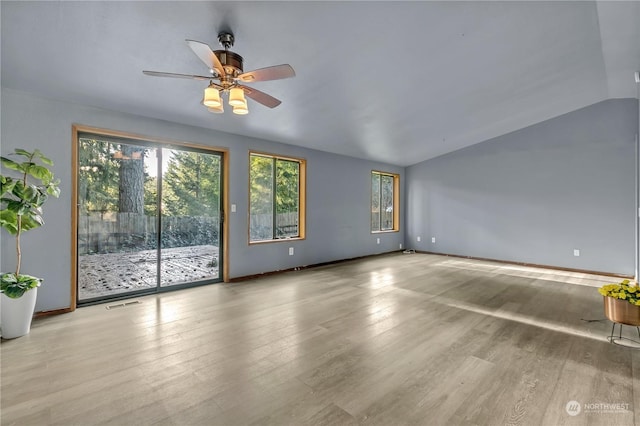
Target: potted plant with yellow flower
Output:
{"points": [[622, 302]]}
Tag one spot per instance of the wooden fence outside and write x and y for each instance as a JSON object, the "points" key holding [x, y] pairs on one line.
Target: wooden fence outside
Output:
{"points": [[261, 225], [113, 232]]}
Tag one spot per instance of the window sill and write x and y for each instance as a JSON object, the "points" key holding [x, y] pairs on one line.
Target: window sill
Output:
{"points": [[385, 232], [278, 240]]}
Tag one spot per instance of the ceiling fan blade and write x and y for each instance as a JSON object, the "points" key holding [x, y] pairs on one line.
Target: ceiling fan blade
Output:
{"points": [[275, 72], [261, 97], [206, 55], [175, 75]]}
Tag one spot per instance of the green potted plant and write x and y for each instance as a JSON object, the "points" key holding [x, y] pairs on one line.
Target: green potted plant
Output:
{"points": [[622, 302], [21, 210]]}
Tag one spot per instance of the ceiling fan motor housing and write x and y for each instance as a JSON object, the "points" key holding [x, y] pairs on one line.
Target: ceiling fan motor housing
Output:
{"points": [[231, 61]]}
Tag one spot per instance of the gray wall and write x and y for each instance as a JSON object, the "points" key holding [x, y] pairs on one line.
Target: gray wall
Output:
{"points": [[338, 194], [637, 155], [536, 194]]}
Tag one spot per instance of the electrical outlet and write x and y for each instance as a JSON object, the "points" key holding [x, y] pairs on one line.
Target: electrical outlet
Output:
{"points": [[400, 245], [377, 240], [576, 252], [290, 251], [433, 239], [418, 239]]}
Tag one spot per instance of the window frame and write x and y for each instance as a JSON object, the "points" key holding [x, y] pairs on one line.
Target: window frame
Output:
{"points": [[302, 197], [396, 202]]}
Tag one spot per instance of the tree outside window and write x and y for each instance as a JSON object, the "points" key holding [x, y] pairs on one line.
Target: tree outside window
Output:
{"points": [[276, 197], [384, 201]]}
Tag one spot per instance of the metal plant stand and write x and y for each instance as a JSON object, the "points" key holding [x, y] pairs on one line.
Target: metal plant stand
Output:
{"points": [[623, 341]]}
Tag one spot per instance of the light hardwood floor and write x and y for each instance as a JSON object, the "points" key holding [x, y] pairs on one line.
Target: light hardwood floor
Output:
{"points": [[388, 340]]}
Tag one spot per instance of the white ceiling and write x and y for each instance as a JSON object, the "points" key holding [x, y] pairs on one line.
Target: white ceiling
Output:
{"points": [[397, 82]]}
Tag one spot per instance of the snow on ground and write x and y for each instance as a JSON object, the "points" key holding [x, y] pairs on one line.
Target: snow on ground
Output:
{"points": [[113, 273]]}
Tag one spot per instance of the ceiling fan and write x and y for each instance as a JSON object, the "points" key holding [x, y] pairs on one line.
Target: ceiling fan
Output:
{"points": [[225, 66]]}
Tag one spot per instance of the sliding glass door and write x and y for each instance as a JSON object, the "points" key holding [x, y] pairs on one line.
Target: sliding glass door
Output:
{"points": [[190, 231], [149, 217]]}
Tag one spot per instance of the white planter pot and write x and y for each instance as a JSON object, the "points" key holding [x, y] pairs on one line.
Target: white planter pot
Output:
{"points": [[16, 315]]}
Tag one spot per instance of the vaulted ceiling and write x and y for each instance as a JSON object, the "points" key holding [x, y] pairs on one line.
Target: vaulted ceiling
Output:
{"points": [[398, 82]]}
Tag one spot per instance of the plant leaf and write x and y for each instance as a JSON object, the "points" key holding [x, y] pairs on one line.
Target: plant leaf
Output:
{"points": [[42, 158], [9, 221], [46, 161], [31, 221], [53, 190], [10, 164], [9, 278], [13, 205], [30, 193], [41, 173], [7, 185], [22, 152]]}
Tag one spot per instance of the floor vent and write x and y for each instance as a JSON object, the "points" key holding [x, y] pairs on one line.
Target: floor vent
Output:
{"points": [[123, 305]]}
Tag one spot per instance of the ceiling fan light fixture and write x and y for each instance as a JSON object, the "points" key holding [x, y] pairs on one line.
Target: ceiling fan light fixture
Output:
{"points": [[236, 98], [216, 110], [212, 97], [241, 110]]}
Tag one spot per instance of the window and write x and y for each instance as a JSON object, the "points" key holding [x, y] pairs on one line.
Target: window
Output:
{"points": [[384, 201], [276, 197]]}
